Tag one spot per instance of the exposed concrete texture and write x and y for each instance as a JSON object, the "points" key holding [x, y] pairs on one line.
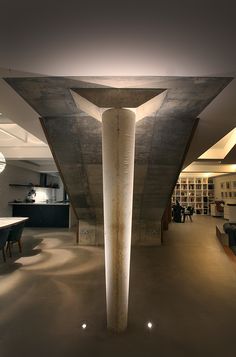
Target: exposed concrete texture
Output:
{"points": [[67, 149], [94, 101], [118, 139], [161, 141], [118, 97], [217, 120], [87, 234]]}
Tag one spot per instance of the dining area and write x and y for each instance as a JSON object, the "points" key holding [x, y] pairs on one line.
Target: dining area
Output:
{"points": [[11, 229]]}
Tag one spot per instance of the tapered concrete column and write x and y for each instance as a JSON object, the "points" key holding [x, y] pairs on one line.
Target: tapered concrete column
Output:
{"points": [[118, 141]]}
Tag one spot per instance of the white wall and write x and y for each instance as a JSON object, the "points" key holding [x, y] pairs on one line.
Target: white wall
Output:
{"points": [[45, 194], [223, 179], [17, 175]]}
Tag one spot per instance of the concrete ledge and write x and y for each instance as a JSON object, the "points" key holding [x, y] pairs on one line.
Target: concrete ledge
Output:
{"points": [[221, 235]]}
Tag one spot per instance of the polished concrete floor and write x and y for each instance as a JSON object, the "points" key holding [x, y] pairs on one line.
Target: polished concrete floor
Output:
{"points": [[186, 288]]}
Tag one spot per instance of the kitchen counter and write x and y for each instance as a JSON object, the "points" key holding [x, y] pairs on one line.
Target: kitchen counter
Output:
{"points": [[43, 214], [40, 203]]}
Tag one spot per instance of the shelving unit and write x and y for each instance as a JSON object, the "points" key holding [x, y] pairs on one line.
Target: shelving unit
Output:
{"points": [[197, 192], [32, 186], [19, 185]]}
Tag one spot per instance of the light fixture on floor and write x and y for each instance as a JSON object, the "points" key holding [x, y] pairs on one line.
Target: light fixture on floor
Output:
{"points": [[2, 162]]}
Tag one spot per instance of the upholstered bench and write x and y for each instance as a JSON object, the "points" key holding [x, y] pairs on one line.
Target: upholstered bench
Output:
{"points": [[222, 236], [230, 229]]}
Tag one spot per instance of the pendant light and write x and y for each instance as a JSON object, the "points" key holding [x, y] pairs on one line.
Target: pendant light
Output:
{"points": [[2, 162]]}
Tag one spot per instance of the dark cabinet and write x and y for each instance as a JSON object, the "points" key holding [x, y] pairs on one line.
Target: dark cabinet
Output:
{"points": [[43, 215]]}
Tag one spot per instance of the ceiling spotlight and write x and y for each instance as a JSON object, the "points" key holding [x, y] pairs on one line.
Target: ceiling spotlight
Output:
{"points": [[84, 326], [150, 325]]}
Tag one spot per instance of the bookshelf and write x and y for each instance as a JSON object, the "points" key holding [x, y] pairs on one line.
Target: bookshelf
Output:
{"points": [[197, 192]]}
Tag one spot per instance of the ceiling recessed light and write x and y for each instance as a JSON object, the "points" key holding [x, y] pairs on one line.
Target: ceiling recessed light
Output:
{"points": [[150, 325], [84, 326]]}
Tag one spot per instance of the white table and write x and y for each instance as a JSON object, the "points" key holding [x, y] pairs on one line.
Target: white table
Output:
{"points": [[11, 221]]}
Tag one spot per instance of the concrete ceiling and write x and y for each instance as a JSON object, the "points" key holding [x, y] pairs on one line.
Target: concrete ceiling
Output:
{"points": [[222, 147], [230, 158], [187, 38], [150, 37]]}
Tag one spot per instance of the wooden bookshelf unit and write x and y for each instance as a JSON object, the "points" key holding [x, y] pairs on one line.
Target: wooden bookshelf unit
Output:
{"points": [[197, 192]]}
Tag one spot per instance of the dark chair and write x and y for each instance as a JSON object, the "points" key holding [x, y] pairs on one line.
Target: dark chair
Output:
{"points": [[188, 213], [177, 212], [15, 237], [4, 233], [230, 229]]}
